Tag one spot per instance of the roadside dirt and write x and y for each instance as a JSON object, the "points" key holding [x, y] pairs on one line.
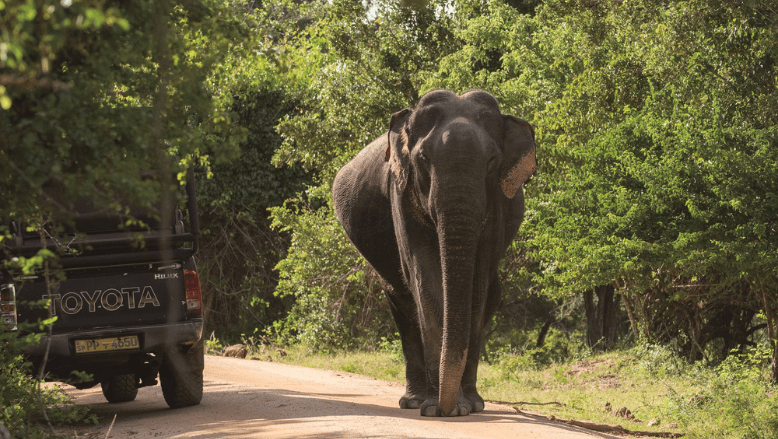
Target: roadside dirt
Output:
{"points": [[248, 399]]}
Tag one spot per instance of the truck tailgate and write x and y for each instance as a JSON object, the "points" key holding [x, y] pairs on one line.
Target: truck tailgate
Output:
{"points": [[127, 298]]}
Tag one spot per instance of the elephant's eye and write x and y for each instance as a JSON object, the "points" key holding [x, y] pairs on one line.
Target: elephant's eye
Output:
{"points": [[492, 165]]}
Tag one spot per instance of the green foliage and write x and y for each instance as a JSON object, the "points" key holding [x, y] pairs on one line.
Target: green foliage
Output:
{"points": [[736, 402], [213, 345], [523, 355], [732, 400], [363, 71], [392, 346], [656, 150], [239, 250], [22, 400], [95, 92], [338, 300], [662, 159], [660, 361]]}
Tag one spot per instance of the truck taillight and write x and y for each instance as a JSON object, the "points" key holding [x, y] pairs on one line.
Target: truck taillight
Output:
{"points": [[194, 303], [8, 306]]}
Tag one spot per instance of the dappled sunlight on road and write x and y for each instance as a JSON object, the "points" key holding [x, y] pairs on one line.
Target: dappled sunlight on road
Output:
{"points": [[247, 399]]}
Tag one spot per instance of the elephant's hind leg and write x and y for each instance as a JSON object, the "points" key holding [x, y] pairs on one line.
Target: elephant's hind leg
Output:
{"points": [[402, 306], [470, 376]]}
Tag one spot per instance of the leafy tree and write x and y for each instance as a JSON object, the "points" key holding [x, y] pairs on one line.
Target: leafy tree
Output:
{"points": [[239, 250], [684, 141], [94, 92], [91, 94], [656, 150]]}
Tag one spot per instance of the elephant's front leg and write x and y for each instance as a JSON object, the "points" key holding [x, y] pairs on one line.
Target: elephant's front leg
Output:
{"points": [[403, 311], [422, 270], [432, 335]]}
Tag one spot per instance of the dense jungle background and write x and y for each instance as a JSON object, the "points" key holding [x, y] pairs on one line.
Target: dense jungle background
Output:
{"points": [[651, 220]]}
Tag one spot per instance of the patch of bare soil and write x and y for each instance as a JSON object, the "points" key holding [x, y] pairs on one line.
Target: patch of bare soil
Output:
{"points": [[588, 366]]}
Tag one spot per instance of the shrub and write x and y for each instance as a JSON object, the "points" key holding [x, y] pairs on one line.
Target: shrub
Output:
{"points": [[734, 399], [23, 400], [338, 298]]}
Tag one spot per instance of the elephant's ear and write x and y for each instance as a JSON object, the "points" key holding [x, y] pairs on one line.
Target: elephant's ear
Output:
{"points": [[397, 153], [518, 154]]}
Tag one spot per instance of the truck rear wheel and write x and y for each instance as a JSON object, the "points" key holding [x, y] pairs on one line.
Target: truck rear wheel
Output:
{"points": [[119, 388], [181, 377]]}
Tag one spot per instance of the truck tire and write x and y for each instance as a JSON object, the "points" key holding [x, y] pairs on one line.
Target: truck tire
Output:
{"points": [[119, 388], [181, 377]]}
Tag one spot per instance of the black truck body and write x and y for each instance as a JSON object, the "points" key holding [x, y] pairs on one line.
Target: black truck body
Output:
{"points": [[128, 310]]}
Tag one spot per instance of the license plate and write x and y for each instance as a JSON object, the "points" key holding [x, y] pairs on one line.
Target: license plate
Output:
{"points": [[107, 344]]}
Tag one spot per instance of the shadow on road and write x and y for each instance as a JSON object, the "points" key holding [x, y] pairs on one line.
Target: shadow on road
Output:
{"points": [[237, 411]]}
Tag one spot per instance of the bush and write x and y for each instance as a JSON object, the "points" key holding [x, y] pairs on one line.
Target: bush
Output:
{"points": [[22, 400], [559, 348], [338, 298], [732, 400], [239, 250], [393, 346], [736, 399], [660, 361]]}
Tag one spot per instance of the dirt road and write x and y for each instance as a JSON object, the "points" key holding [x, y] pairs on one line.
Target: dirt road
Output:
{"points": [[250, 399]]}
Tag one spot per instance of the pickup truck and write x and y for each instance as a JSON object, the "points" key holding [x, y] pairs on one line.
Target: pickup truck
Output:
{"points": [[128, 306]]}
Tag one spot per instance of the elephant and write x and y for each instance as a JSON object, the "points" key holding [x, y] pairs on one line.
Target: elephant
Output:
{"points": [[432, 205]]}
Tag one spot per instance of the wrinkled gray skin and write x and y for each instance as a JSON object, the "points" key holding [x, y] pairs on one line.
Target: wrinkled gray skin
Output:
{"points": [[432, 205]]}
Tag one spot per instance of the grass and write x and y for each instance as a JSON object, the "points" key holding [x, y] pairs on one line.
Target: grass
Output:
{"points": [[376, 364], [584, 387], [733, 400]]}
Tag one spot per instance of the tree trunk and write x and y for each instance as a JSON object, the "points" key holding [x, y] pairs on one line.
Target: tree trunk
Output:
{"points": [[774, 363], [544, 331], [632, 321], [771, 333], [601, 317]]}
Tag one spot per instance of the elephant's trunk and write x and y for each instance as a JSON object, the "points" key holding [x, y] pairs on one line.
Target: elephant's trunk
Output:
{"points": [[458, 230]]}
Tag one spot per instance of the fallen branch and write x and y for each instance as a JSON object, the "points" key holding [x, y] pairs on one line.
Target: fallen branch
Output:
{"points": [[613, 428], [558, 404], [107, 435], [594, 426]]}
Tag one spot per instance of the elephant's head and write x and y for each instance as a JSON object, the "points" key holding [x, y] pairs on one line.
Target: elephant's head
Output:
{"points": [[457, 163], [508, 142]]}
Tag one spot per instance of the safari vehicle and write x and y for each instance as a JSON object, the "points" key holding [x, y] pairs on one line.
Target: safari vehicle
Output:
{"points": [[128, 310]]}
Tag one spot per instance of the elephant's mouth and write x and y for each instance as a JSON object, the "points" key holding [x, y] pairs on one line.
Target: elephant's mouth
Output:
{"points": [[418, 212]]}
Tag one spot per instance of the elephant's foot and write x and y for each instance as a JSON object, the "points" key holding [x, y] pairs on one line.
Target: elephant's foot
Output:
{"points": [[475, 400], [411, 401], [430, 407]]}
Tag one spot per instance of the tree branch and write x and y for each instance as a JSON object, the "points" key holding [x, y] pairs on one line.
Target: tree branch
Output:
{"points": [[32, 83]]}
